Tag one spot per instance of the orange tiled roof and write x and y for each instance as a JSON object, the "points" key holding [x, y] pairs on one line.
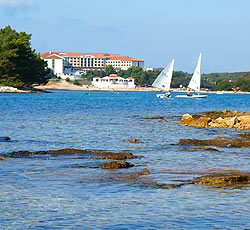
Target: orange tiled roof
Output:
{"points": [[54, 56], [46, 54], [132, 59], [113, 58], [98, 55]]}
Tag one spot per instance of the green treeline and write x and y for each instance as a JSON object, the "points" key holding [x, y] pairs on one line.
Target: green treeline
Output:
{"points": [[20, 66], [240, 84], [213, 81]]}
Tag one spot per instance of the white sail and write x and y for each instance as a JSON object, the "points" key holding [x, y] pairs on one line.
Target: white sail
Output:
{"points": [[196, 78], [163, 80]]}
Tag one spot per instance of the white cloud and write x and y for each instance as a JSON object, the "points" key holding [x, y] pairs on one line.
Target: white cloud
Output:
{"points": [[18, 3]]}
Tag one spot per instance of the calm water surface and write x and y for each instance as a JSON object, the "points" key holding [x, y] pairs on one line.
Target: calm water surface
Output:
{"points": [[72, 192]]}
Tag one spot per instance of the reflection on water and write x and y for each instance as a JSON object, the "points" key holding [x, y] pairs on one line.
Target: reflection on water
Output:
{"points": [[72, 192]]}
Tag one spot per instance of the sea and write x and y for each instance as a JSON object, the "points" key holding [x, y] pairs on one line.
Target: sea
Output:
{"points": [[73, 192]]}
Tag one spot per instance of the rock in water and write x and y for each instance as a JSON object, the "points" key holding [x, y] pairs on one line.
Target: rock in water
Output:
{"points": [[218, 119], [116, 165], [133, 141], [223, 180], [5, 139]]}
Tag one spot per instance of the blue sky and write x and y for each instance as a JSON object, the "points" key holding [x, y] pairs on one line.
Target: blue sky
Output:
{"points": [[153, 30]]}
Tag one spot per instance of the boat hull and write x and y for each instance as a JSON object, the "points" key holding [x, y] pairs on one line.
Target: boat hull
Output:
{"points": [[163, 95], [193, 96]]}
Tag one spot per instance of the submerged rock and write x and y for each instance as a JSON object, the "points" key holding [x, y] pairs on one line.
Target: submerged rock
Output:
{"points": [[20, 154], [216, 142], [116, 165], [5, 139]]}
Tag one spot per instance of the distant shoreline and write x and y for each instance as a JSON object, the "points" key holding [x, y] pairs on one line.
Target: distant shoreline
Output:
{"points": [[64, 85]]}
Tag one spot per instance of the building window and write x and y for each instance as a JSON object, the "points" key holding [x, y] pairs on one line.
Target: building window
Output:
{"points": [[53, 64]]}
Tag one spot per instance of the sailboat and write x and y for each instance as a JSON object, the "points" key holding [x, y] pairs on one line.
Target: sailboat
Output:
{"points": [[163, 80], [195, 82]]}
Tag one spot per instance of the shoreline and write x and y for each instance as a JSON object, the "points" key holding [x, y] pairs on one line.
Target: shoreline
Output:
{"points": [[9, 89], [64, 85]]}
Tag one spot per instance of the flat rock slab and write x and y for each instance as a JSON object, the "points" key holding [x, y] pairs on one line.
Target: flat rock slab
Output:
{"points": [[104, 154], [223, 180], [216, 142]]}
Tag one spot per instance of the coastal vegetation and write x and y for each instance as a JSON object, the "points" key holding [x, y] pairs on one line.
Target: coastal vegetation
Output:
{"points": [[212, 81], [240, 84], [20, 65]]}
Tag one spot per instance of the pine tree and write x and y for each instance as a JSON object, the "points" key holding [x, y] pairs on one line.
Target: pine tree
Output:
{"points": [[20, 66]]}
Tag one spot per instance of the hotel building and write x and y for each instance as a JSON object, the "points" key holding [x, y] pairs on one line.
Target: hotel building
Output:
{"points": [[72, 65]]}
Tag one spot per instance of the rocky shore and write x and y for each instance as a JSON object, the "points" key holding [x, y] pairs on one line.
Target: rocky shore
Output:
{"points": [[140, 176], [8, 89], [116, 162], [218, 119]]}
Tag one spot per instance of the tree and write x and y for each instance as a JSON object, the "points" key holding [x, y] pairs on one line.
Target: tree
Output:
{"points": [[109, 70], [223, 85], [20, 66]]}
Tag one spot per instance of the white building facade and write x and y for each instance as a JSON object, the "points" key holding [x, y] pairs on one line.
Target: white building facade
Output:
{"points": [[75, 64], [55, 62], [114, 82]]}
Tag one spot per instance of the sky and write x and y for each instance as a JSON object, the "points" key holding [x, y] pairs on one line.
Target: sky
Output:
{"points": [[155, 31]]}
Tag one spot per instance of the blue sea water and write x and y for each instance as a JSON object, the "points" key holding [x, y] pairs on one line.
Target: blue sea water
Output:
{"points": [[72, 192]]}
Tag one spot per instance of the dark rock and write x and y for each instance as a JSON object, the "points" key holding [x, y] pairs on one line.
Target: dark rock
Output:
{"points": [[212, 149], [216, 142], [169, 186], [20, 154], [106, 155], [5, 139], [116, 165]]}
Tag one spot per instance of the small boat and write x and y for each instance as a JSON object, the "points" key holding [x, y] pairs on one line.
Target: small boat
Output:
{"points": [[195, 82], [166, 95], [163, 80]]}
